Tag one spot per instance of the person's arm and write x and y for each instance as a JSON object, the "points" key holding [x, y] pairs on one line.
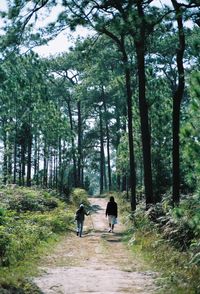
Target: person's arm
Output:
{"points": [[106, 213], [86, 213]]}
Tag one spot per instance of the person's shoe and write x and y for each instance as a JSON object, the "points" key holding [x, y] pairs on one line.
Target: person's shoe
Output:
{"points": [[109, 231], [76, 233]]}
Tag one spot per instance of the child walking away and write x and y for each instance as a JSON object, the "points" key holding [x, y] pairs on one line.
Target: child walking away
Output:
{"points": [[111, 212], [80, 216]]}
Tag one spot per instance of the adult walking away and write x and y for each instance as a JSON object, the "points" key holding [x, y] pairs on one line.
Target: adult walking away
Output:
{"points": [[111, 212], [80, 216]]}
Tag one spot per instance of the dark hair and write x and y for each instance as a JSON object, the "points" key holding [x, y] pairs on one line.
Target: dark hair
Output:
{"points": [[112, 199]]}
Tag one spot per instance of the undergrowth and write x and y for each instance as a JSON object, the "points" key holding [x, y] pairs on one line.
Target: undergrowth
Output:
{"points": [[31, 222], [168, 240]]}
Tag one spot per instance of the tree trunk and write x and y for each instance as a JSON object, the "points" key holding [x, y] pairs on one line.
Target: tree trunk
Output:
{"points": [[101, 153], [51, 167], [29, 165], [23, 166], [145, 133], [73, 145], [15, 158], [108, 141], [143, 107], [56, 170], [55, 173], [178, 96], [36, 162], [19, 165], [130, 129], [45, 166], [104, 172], [60, 168], [5, 163], [117, 115], [124, 186], [10, 154], [79, 171], [39, 178]]}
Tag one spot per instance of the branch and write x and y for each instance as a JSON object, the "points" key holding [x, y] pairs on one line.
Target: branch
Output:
{"points": [[111, 35], [35, 9]]}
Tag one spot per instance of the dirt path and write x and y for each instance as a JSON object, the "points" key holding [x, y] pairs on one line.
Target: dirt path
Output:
{"points": [[99, 262]]}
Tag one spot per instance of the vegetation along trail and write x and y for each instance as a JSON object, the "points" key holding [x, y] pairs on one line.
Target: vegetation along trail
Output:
{"points": [[99, 262]]}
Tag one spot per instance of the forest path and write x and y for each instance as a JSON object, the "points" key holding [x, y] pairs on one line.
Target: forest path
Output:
{"points": [[99, 262]]}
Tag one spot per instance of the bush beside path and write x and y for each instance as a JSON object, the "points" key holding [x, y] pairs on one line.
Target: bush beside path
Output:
{"points": [[99, 262]]}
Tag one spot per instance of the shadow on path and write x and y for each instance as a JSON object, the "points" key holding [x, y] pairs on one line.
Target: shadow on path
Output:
{"points": [[95, 208]]}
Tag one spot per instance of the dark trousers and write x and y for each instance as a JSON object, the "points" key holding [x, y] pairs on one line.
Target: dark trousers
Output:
{"points": [[79, 227]]}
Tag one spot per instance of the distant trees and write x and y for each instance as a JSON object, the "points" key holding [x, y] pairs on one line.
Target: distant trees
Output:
{"points": [[116, 95], [31, 122]]}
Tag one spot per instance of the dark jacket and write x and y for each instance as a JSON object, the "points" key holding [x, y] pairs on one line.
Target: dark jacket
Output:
{"points": [[80, 214], [111, 208]]}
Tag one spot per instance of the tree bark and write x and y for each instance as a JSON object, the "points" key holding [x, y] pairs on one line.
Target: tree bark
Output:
{"points": [[130, 128], [45, 166], [60, 167], [39, 178], [101, 153], [177, 98], [107, 141], [124, 185], [72, 142], [51, 167], [29, 163], [5, 163], [36, 160], [15, 157], [23, 166], [139, 40], [10, 156], [79, 167]]}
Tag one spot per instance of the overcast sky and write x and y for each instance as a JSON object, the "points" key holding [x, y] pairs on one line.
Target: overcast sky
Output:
{"points": [[63, 41]]}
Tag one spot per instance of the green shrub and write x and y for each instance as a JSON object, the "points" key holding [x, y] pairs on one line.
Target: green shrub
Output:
{"points": [[179, 225], [31, 217], [29, 199], [26, 202], [5, 242], [58, 221], [2, 216], [21, 236], [79, 196], [195, 253]]}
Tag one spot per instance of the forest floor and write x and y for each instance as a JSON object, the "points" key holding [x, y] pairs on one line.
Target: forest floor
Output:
{"points": [[99, 262]]}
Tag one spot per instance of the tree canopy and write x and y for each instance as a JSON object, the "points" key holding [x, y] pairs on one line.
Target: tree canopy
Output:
{"points": [[117, 111]]}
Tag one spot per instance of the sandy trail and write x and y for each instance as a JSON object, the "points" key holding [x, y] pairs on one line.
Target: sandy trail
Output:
{"points": [[99, 262]]}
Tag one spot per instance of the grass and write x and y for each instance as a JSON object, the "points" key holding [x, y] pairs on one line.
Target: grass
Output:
{"points": [[32, 222], [176, 273], [17, 276]]}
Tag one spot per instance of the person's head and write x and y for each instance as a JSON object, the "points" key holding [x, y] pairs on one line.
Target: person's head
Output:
{"points": [[112, 199], [81, 206]]}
